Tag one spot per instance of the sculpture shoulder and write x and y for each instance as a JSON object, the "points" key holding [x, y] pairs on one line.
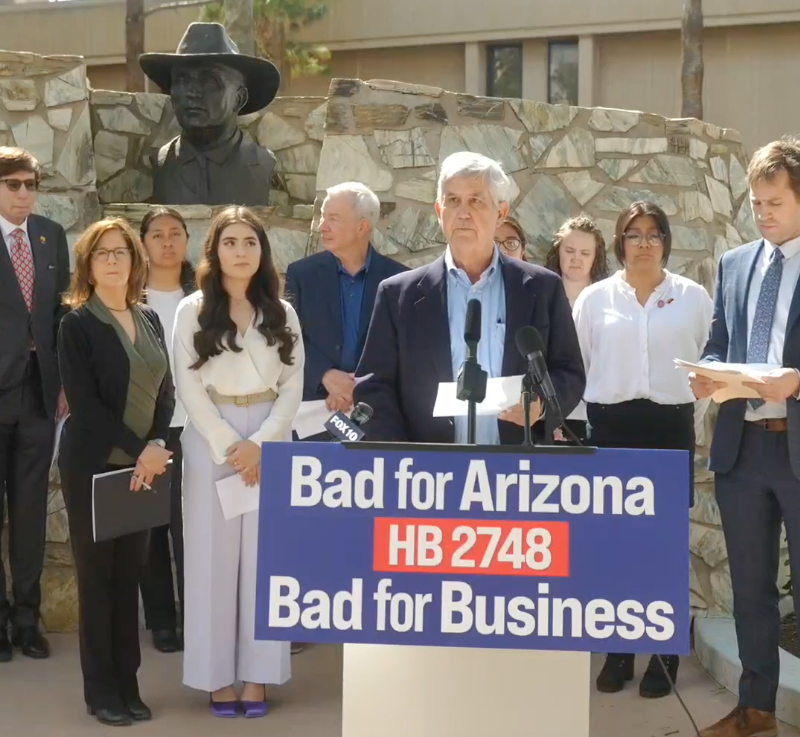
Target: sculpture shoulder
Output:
{"points": [[258, 154], [168, 151]]}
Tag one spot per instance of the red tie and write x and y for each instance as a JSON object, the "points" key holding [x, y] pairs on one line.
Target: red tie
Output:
{"points": [[22, 259]]}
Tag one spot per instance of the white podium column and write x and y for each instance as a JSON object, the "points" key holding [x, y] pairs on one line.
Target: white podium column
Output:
{"points": [[399, 691]]}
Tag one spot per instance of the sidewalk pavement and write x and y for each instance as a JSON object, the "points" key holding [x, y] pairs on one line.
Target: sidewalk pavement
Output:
{"points": [[44, 699]]}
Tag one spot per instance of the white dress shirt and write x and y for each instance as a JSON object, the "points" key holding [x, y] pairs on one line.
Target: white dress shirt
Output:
{"points": [[166, 306], [255, 369], [789, 275], [629, 350], [7, 228]]}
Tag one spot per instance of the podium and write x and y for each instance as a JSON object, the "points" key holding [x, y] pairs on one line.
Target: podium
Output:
{"points": [[470, 584]]}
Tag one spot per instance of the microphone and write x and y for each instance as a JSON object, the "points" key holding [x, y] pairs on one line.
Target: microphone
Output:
{"points": [[471, 379], [472, 329], [348, 429], [530, 345]]}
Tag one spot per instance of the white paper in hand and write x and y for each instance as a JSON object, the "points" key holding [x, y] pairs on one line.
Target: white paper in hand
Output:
{"points": [[235, 497], [310, 418], [501, 394]]}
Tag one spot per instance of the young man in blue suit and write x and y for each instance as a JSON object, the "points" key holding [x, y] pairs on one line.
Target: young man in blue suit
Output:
{"points": [[334, 291], [416, 337], [755, 453]]}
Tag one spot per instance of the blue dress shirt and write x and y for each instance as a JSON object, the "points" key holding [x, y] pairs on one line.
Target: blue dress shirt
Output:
{"points": [[351, 291], [490, 291]]}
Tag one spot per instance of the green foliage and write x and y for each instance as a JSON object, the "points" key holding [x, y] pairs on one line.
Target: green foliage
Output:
{"points": [[275, 22]]}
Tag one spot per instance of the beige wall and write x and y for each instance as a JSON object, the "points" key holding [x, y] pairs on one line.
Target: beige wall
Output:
{"points": [[750, 77], [354, 23], [92, 30], [440, 66]]}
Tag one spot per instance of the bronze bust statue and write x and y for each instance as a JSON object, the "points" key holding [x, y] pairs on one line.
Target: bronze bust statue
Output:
{"points": [[210, 84]]}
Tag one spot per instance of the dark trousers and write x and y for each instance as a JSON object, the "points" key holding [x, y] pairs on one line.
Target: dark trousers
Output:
{"points": [[108, 576], [754, 497], [641, 423], [158, 588], [26, 448]]}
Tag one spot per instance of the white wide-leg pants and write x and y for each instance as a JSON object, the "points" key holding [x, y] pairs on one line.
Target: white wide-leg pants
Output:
{"points": [[220, 573]]}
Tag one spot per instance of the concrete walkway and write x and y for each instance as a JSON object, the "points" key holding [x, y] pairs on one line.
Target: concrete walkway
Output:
{"points": [[44, 699]]}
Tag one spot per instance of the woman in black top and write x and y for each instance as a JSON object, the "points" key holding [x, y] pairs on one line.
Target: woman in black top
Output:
{"points": [[115, 372]]}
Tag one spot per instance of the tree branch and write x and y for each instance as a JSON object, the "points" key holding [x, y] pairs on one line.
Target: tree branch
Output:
{"points": [[177, 5]]}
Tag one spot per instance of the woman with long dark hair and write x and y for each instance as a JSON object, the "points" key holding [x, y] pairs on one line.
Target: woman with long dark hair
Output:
{"points": [[239, 373], [115, 369], [631, 327], [170, 278]]}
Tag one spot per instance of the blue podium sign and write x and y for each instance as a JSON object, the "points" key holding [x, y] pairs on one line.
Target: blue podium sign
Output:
{"points": [[472, 547]]}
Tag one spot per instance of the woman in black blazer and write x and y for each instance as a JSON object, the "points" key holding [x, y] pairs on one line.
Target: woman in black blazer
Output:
{"points": [[115, 371]]}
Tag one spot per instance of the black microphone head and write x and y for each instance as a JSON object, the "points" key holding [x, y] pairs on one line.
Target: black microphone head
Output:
{"points": [[529, 341], [472, 325], [361, 414]]}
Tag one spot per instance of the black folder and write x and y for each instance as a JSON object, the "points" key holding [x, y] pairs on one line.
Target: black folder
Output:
{"points": [[118, 511]]}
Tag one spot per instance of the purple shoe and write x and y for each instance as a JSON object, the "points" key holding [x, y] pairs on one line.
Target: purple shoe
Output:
{"points": [[255, 709], [223, 709]]}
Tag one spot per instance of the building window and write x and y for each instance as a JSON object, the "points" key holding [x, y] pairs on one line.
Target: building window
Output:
{"points": [[504, 70], [562, 73]]}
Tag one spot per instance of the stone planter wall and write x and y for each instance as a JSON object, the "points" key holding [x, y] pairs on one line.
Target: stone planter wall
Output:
{"points": [[95, 149]]}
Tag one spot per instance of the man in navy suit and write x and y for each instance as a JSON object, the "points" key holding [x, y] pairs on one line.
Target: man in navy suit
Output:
{"points": [[34, 271], [755, 453], [334, 291], [416, 337]]}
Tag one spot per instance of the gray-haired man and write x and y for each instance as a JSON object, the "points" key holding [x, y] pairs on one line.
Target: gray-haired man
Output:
{"points": [[334, 292]]}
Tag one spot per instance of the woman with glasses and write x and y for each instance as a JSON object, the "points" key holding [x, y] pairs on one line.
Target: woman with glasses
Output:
{"points": [[510, 238], [631, 327], [115, 369]]}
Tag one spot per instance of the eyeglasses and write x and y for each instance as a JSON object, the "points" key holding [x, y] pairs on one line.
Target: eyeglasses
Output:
{"points": [[654, 240], [14, 185], [101, 254], [511, 244]]}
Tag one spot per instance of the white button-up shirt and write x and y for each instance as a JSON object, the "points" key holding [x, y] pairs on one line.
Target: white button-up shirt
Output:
{"points": [[7, 228], [629, 349], [777, 336]]}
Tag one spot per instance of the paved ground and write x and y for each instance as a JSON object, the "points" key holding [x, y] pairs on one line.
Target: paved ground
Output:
{"points": [[44, 699]]}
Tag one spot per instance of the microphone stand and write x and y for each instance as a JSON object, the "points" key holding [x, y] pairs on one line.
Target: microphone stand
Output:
{"points": [[471, 386], [527, 391]]}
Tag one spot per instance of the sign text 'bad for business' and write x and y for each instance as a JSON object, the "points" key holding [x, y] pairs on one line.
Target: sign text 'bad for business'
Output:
{"points": [[546, 551]]}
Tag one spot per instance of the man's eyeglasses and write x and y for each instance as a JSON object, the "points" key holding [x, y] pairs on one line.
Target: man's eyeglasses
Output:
{"points": [[101, 254], [652, 240], [510, 244], [14, 185]]}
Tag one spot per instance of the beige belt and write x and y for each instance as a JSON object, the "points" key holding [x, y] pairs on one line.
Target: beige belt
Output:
{"points": [[244, 400]]}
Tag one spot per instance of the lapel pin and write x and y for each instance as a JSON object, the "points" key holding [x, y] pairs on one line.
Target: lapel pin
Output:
{"points": [[42, 239]]}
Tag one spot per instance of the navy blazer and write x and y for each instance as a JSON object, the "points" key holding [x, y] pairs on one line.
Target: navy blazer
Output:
{"points": [[728, 343], [17, 325], [408, 350], [312, 286]]}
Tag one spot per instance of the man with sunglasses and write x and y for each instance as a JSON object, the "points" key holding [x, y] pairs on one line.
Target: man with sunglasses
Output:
{"points": [[34, 271]]}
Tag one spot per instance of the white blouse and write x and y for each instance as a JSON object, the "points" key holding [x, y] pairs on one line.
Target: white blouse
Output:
{"points": [[629, 350], [257, 368]]}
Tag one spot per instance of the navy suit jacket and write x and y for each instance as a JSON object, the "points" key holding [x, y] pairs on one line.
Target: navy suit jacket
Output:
{"points": [[312, 286], [408, 350], [728, 343]]}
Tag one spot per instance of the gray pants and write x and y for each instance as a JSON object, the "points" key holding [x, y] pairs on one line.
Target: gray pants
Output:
{"points": [[754, 497], [220, 573]]}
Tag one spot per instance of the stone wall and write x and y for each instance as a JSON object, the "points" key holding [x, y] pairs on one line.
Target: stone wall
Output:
{"points": [[563, 161], [96, 152], [44, 108], [129, 129]]}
